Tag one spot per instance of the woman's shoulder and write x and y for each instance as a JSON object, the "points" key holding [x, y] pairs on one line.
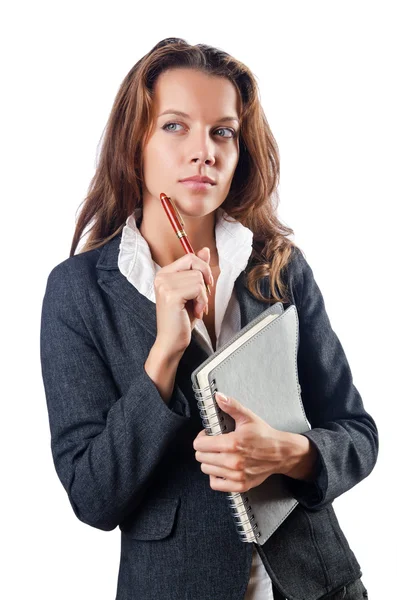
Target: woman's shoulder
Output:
{"points": [[79, 266], [78, 274], [85, 263], [297, 261], [296, 269], [297, 276]]}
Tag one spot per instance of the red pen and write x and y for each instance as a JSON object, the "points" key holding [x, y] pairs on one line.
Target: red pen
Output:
{"points": [[177, 223]]}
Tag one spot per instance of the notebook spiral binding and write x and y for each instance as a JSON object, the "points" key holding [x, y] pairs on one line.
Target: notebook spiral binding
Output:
{"points": [[244, 518]]}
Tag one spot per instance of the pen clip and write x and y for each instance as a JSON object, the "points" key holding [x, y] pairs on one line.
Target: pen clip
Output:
{"points": [[176, 212]]}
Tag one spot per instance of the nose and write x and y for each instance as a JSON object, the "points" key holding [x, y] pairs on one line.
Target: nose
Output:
{"points": [[209, 160], [203, 151]]}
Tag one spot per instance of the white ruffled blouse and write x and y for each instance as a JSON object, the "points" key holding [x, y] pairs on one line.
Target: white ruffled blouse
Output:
{"points": [[234, 246]]}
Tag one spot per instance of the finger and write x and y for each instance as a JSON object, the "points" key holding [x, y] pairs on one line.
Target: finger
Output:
{"points": [[206, 257], [222, 484], [202, 303], [218, 459], [191, 261], [194, 290], [223, 473]]}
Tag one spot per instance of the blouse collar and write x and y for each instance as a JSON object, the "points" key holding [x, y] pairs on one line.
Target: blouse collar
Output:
{"points": [[233, 242]]}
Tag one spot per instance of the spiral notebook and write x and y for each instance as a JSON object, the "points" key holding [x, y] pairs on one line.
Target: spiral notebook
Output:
{"points": [[258, 367]]}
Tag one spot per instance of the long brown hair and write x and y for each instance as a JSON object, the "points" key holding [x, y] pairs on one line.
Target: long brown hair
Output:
{"points": [[116, 188]]}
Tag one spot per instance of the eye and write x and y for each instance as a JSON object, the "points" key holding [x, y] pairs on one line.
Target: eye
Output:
{"points": [[167, 125], [233, 133]]}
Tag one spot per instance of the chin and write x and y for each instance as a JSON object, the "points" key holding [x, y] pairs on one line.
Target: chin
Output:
{"points": [[194, 210]]}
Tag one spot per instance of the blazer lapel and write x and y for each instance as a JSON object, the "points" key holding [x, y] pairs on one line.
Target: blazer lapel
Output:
{"points": [[121, 290]]}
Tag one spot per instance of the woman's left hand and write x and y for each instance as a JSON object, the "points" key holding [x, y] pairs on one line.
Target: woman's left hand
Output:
{"points": [[245, 457]]}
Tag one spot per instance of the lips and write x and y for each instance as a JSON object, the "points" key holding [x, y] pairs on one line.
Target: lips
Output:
{"points": [[199, 179]]}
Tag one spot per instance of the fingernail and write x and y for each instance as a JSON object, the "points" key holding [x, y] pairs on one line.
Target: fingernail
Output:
{"points": [[206, 310], [209, 290], [222, 397]]}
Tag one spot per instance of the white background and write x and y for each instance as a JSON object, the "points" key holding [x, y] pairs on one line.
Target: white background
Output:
{"points": [[326, 72]]}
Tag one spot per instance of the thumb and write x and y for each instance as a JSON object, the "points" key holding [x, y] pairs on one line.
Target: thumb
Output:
{"points": [[240, 413], [204, 254]]}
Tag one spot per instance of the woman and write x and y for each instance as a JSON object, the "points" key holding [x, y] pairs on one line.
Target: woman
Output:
{"points": [[127, 320]]}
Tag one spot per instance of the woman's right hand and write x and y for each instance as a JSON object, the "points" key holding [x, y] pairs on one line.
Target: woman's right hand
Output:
{"points": [[181, 298]]}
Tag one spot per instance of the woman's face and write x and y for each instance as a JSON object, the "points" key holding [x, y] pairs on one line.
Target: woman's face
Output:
{"points": [[198, 143]]}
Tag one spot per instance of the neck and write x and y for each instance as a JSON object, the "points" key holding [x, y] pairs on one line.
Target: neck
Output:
{"points": [[164, 245]]}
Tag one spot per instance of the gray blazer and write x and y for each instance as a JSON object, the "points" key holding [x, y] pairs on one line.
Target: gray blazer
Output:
{"points": [[126, 458]]}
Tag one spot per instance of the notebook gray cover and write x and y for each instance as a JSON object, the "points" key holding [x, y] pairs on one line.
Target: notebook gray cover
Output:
{"points": [[258, 367]]}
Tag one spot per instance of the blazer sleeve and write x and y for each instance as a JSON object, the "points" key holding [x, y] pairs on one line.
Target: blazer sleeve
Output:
{"points": [[345, 435], [104, 447]]}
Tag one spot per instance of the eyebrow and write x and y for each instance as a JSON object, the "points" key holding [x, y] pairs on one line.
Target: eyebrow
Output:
{"points": [[183, 114]]}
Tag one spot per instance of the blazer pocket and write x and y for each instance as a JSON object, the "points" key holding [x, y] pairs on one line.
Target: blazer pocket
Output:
{"points": [[154, 521]]}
